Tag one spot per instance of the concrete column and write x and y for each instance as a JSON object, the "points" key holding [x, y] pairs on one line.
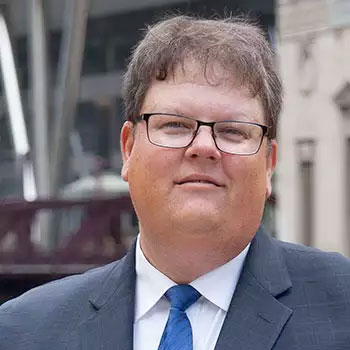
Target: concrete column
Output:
{"points": [[40, 98], [68, 77]]}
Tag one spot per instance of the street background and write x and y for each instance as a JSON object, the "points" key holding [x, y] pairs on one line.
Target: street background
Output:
{"points": [[64, 207]]}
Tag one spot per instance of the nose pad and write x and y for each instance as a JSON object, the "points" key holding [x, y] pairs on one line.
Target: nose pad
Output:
{"points": [[203, 145]]}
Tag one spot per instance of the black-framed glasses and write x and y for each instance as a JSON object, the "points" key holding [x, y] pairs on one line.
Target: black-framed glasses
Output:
{"points": [[177, 131]]}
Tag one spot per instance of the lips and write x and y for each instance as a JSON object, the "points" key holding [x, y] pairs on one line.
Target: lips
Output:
{"points": [[198, 179]]}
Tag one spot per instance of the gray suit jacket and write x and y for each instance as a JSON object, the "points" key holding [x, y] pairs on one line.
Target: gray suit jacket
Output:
{"points": [[288, 297]]}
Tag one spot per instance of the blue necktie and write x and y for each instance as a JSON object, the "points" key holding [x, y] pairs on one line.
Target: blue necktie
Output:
{"points": [[177, 334]]}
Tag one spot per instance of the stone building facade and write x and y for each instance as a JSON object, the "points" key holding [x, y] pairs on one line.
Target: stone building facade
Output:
{"points": [[313, 176]]}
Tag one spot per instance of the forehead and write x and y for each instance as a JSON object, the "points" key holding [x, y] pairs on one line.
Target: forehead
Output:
{"points": [[208, 95], [212, 74]]}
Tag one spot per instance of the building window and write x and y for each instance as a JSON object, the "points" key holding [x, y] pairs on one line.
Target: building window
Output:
{"points": [[342, 99], [348, 184], [306, 150]]}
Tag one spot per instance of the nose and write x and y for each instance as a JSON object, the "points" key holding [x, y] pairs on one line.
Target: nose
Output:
{"points": [[203, 145]]}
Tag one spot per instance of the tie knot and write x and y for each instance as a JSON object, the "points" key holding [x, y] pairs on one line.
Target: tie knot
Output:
{"points": [[182, 296]]}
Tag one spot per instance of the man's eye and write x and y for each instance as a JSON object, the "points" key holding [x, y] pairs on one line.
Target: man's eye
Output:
{"points": [[232, 132], [175, 125]]}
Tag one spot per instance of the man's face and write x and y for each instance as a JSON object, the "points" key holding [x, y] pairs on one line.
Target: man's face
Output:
{"points": [[162, 181]]}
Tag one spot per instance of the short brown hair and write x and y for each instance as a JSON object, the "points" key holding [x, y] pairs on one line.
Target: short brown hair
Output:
{"points": [[237, 46]]}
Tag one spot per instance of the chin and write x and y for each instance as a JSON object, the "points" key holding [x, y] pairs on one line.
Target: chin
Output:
{"points": [[201, 219]]}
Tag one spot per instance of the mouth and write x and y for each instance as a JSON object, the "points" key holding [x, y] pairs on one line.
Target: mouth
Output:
{"points": [[198, 180]]}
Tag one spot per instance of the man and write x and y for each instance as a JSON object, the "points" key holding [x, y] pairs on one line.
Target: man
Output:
{"points": [[202, 98]]}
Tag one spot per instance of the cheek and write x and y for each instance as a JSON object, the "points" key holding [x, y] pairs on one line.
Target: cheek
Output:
{"points": [[150, 173], [248, 178], [142, 186], [246, 195], [158, 165]]}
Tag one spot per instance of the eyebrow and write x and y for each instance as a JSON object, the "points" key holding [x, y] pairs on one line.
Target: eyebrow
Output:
{"points": [[235, 116]]}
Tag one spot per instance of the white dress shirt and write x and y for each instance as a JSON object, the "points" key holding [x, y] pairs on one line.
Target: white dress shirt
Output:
{"points": [[206, 315]]}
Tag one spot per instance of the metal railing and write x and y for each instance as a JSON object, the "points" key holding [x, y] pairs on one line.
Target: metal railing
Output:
{"points": [[98, 239]]}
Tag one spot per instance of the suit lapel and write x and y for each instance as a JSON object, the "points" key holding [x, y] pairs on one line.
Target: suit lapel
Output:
{"points": [[255, 317], [110, 325], [254, 320]]}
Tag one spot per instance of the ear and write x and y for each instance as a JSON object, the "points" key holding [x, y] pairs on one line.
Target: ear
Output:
{"points": [[126, 145], [270, 166]]}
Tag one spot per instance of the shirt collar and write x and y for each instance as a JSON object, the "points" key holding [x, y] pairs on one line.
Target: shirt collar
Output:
{"points": [[151, 284], [224, 278]]}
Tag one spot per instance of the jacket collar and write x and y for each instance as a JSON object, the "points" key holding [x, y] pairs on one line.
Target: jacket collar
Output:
{"points": [[111, 320], [256, 318], [266, 264], [119, 282]]}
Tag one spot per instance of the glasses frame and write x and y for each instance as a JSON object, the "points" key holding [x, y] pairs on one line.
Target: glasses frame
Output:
{"points": [[147, 116]]}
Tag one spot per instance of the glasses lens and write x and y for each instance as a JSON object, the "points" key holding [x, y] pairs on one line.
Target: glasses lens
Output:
{"points": [[171, 130], [238, 137]]}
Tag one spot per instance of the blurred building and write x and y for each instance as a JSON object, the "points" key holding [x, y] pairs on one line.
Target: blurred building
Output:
{"points": [[314, 169], [113, 28], [69, 56]]}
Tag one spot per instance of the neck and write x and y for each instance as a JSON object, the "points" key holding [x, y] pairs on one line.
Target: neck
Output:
{"points": [[184, 260]]}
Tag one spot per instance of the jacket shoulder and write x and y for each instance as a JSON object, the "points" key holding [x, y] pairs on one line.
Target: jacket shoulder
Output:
{"points": [[329, 270], [58, 293], [51, 311], [314, 258]]}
